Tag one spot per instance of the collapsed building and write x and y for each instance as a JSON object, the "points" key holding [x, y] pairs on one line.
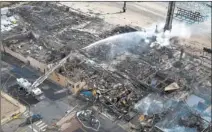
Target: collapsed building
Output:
{"points": [[126, 69], [136, 79], [48, 32]]}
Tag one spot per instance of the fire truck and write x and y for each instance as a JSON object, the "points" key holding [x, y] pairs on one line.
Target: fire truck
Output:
{"points": [[26, 86]]}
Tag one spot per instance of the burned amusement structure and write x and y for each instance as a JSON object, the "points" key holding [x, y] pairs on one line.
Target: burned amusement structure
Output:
{"points": [[127, 75], [146, 79]]}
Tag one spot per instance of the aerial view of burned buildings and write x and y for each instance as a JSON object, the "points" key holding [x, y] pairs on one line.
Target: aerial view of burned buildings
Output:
{"points": [[142, 79]]}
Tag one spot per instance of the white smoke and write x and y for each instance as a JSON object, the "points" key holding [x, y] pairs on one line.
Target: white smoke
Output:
{"points": [[180, 30], [139, 41]]}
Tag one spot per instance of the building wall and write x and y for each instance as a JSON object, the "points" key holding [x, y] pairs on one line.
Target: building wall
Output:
{"points": [[37, 64], [14, 54], [59, 79], [55, 77]]}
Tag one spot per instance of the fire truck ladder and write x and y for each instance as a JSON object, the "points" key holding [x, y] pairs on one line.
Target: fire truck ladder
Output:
{"points": [[41, 79]]}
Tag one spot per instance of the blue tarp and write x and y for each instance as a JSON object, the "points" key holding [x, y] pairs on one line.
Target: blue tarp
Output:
{"points": [[87, 93]]}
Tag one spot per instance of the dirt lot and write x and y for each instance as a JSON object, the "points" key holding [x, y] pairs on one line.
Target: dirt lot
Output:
{"points": [[123, 69], [7, 108]]}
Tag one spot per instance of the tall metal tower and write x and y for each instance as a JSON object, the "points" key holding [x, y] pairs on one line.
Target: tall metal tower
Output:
{"points": [[170, 16]]}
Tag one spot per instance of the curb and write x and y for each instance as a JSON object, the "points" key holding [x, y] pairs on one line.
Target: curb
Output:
{"points": [[21, 109]]}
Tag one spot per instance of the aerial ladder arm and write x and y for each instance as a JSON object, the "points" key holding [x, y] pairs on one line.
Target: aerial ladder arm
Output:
{"points": [[41, 79]]}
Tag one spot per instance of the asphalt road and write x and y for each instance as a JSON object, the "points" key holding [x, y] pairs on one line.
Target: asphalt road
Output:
{"points": [[52, 108], [19, 69]]}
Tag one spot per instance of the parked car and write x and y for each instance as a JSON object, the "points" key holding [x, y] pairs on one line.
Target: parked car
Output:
{"points": [[33, 118]]}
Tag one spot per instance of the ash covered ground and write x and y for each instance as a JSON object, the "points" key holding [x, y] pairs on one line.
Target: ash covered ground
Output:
{"points": [[48, 32], [125, 69]]}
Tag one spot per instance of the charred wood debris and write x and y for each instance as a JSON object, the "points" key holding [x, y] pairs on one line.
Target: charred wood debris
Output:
{"points": [[131, 79], [118, 90]]}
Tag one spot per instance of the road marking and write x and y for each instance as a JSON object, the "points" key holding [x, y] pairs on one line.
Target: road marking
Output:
{"points": [[43, 127], [27, 113], [43, 130], [38, 123], [22, 130], [34, 130], [61, 91], [41, 124]]}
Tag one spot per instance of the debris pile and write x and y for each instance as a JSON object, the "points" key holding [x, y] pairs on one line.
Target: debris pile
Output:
{"points": [[118, 30], [46, 32], [133, 75], [88, 119], [123, 77], [108, 85], [182, 119], [8, 20]]}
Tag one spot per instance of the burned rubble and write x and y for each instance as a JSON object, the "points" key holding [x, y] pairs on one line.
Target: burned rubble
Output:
{"points": [[133, 78], [47, 31], [118, 30], [43, 23], [123, 77], [191, 121], [107, 84], [182, 119]]}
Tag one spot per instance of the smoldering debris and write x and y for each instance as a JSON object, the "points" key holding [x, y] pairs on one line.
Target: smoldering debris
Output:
{"points": [[118, 72], [107, 84], [49, 18], [191, 121], [132, 75], [127, 77], [118, 30], [154, 104], [182, 118], [79, 39], [50, 27], [54, 29]]}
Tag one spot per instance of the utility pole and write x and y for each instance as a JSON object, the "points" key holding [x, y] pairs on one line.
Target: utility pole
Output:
{"points": [[124, 7], [170, 16]]}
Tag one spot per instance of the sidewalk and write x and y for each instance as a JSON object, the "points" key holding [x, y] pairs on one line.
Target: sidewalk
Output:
{"points": [[140, 14], [20, 108]]}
